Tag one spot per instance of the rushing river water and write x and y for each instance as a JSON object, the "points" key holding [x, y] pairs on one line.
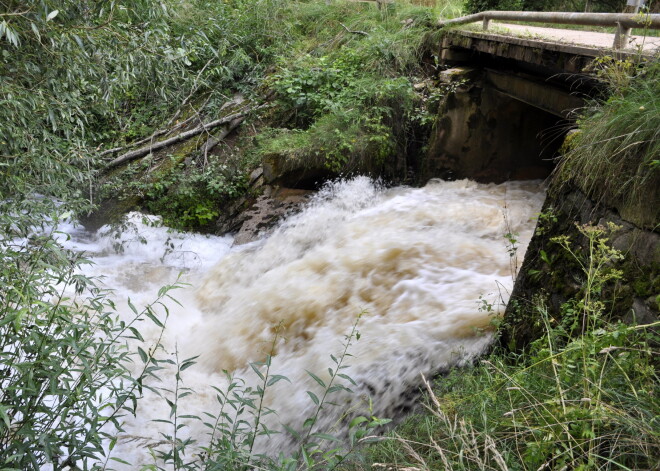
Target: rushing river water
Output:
{"points": [[415, 262]]}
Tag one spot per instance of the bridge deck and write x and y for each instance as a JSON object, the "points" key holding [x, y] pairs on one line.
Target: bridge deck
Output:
{"points": [[648, 44], [545, 51]]}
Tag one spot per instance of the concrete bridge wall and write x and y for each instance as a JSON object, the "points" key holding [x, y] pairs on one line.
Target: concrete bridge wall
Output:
{"points": [[511, 103], [483, 133]]}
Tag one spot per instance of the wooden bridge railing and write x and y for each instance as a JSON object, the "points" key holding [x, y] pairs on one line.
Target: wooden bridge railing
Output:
{"points": [[624, 22]]}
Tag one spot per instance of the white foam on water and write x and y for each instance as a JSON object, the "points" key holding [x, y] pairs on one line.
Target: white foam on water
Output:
{"points": [[414, 261]]}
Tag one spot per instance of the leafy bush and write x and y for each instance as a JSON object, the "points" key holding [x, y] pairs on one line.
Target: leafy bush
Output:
{"points": [[71, 369], [77, 77], [65, 358], [476, 6], [188, 196], [362, 138], [348, 104], [65, 88]]}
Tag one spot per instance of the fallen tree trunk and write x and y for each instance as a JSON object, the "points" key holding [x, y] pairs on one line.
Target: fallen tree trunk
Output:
{"points": [[215, 140], [147, 139], [137, 153]]}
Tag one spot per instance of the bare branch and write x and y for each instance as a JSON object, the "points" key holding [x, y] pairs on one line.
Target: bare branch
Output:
{"points": [[363, 33]]}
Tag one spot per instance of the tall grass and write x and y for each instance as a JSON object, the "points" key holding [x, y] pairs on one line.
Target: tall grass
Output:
{"points": [[345, 97]]}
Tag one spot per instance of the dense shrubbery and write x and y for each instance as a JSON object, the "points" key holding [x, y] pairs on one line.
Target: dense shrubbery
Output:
{"points": [[66, 88], [79, 77], [609, 6], [189, 198], [340, 77], [63, 351], [584, 394], [348, 97]]}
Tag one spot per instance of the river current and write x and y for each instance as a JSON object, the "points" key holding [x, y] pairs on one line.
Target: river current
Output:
{"points": [[416, 264]]}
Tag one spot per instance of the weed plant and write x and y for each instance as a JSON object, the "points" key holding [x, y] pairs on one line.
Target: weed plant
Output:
{"points": [[585, 395], [72, 368], [339, 79], [79, 77], [187, 197], [347, 91], [609, 6]]}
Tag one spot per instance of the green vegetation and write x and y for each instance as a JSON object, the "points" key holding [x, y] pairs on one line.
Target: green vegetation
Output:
{"points": [[347, 96], [609, 6], [233, 430], [189, 197], [583, 394], [65, 366], [78, 78], [339, 80]]}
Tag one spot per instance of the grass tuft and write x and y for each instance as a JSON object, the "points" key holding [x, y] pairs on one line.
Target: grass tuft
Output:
{"points": [[615, 156]]}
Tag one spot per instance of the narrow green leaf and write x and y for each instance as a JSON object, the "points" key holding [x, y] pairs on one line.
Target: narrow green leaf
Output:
{"points": [[136, 334], [325, 436], [132, 306], [316, 378], [357, 421], [309, 422], [275, 378], [255, 368], [291, 431], [308, 460], [143, 354], [151, 316], [314, 398], [347, 378]]}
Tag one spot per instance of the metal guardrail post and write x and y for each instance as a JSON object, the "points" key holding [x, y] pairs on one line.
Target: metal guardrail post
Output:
{"points": [[621, 36]]}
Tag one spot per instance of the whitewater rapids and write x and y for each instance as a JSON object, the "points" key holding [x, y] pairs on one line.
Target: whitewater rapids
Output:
{"points": [[418, 263]]}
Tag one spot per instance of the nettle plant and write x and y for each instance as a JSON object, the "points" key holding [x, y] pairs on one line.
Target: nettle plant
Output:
{"points": [[339, 113]]}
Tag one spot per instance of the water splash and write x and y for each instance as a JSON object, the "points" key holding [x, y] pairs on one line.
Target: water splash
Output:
{"points": [[415, 261]]}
